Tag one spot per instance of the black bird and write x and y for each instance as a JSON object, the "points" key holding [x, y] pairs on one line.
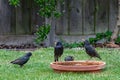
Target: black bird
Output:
{"points": [[58, 51], [69, 58], [90, 50], [22, 60]]}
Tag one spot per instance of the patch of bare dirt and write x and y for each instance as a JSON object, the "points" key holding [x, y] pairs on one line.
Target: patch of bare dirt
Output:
{"points": [[108, 45]]}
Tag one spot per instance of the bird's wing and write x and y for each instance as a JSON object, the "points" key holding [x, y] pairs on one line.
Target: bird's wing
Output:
{"points": [[58, 49], [19, 60], [95, 52], [16, 60], [90, 49]]}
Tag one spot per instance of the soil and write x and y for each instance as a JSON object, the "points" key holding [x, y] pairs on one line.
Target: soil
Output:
{"points": [[32, 46], [108, 45], [17, 47]]}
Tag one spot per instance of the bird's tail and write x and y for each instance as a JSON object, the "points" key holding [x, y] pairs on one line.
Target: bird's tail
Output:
{"points": [[12, 62], [99, 57], [55, 58]]}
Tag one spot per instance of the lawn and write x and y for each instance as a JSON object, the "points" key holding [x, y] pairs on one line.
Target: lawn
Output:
{"points": [[38, 67]]}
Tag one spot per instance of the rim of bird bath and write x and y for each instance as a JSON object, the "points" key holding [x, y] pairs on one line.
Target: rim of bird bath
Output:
{"points": [[78, 66]]}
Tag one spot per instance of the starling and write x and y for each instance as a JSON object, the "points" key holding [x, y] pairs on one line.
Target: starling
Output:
{"points": [[58, 51], [69, 58], [22, 60], [90, 50]]}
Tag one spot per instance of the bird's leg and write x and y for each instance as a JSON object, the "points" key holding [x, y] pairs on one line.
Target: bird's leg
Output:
{"points": [[94, 59], [89, 58], [60, 59], [55, 58]]}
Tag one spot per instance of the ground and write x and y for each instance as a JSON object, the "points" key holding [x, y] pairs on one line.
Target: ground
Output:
{"points": [[34, 46], [38, 67]]}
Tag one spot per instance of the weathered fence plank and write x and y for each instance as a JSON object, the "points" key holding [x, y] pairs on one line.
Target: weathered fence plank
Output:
{"points": [[13, 20], [80, 17], [88, 16], [113, 13], [62, 23], [75, 17], [19, 26], [26, 17], [5, 14], [102, 7]]}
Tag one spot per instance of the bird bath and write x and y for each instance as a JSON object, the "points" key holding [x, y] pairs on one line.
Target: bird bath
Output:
{"points": [[78, 66]]}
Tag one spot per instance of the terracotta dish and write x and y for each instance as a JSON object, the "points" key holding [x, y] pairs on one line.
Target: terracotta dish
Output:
{"points": [[76, 66]]}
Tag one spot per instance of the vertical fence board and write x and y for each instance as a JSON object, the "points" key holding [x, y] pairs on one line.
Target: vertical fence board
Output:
{"points": [[75, 17], [62, 23], [26, 16], [102, 16], [19, 26], [36, 20], [5, 14], [13, 20], [88, 16], [113, 13]]}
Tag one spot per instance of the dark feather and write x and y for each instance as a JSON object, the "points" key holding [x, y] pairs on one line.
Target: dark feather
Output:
{"points": [[69, 58], [58, 51], [22, 60], [90, 50]]}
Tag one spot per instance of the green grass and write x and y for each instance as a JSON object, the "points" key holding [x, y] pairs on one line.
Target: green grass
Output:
{"points": [[38, 67]]}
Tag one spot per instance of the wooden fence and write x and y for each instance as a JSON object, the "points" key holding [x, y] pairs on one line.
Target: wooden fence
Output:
{"points": [[81, 17], [20, 20]]}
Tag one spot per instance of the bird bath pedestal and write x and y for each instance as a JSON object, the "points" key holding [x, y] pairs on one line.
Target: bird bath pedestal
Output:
{"points": [[78, 66]]}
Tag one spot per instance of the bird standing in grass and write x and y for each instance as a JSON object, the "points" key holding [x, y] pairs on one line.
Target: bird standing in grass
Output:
{"points": [[90, 50], [22, 60], [58, 51], [69, 58]]}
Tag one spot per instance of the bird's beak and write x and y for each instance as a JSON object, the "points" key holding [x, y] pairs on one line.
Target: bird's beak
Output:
{"points": [[55, 43], [83, 40]]}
